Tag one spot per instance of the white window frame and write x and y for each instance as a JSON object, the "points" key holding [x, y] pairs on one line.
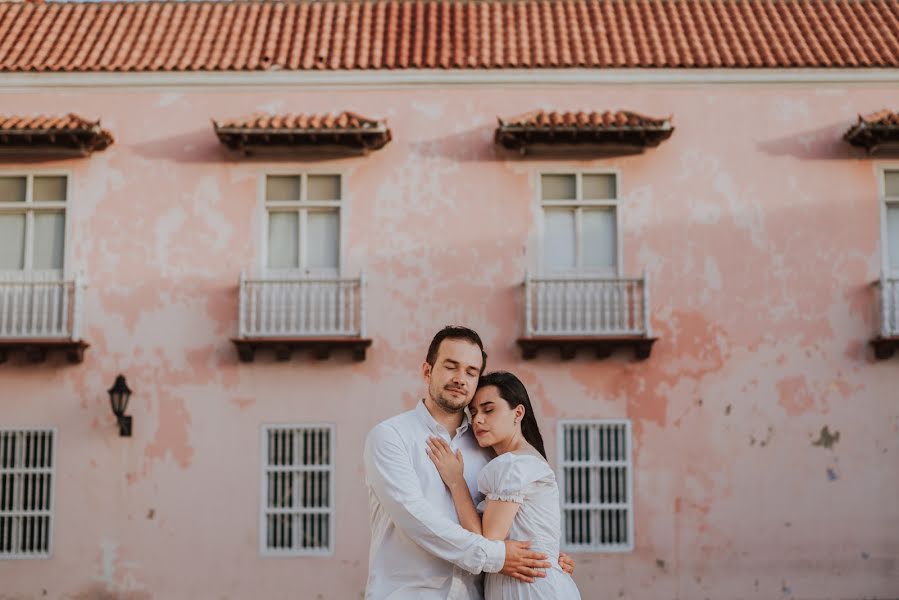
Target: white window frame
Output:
{"points": [[264, 550], [51, 512], [578, 204], [29, 208], [302, 206], [886, 201], [627, 463]]}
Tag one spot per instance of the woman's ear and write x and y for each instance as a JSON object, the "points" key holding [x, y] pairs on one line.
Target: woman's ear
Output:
{"points": [[519, 412]]}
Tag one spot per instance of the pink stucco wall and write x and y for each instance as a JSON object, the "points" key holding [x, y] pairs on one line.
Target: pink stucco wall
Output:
{"points": [[758, 227]]}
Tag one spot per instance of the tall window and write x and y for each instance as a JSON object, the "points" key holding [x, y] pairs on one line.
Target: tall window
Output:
{"points": [[303, 223], [32, 222], [596, 485], [26, 492], [298, 490], [580, 231], [891, 208]]}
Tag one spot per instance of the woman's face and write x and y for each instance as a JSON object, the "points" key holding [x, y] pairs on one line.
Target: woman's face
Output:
{"points": [[492, 419]]}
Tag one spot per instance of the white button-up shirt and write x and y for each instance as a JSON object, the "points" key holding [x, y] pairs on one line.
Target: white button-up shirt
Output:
{"points": [[418, 549]]}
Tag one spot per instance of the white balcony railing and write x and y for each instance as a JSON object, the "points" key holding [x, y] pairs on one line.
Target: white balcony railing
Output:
{"points": [[580, 306], [302, 307], [38, 307], [889, 306]]}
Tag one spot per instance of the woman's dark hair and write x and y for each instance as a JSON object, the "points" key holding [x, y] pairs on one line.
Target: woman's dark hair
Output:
{"points": [[514, 393], [455, 332]]}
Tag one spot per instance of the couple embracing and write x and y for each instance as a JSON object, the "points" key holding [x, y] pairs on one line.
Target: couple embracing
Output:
{"points": [[460, 486]]}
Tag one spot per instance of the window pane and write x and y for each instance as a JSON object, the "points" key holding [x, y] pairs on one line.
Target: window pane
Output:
{"points": [[12, 189], [323, 238], [12, 241], [282, 187], [891, 183], [49, 238], [599, 239], [558, 241], [558, 187], [598, 187], [283, 232], [324, 187], [893, 235], [50, 189]]}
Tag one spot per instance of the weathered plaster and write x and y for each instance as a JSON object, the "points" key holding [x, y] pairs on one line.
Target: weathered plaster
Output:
{"points": [[759, 230]]}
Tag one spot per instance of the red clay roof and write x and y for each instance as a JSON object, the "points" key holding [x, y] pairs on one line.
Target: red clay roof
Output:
{"points": [[447, 34], [48, 133], [874, 130], [298, 132]]}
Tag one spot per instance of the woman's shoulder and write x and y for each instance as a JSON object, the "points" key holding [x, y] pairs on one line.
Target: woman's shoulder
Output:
{"points": [[511, 470]]}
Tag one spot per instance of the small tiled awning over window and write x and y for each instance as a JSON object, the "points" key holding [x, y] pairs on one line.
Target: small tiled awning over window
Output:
{"points": [[599, 131], [69, 135], [346, 132], [875, 131]]}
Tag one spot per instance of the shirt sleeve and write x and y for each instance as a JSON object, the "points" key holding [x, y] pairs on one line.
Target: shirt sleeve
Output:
{"points": [[392, 478], [507, 477]]}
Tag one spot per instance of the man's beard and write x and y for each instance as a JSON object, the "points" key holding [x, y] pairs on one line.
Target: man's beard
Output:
{"points": [[447, 402]]}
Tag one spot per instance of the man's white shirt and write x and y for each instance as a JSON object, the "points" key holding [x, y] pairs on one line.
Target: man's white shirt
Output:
{"points": [[418, 549]]}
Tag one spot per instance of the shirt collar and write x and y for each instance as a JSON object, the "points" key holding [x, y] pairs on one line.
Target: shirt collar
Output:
{"points": [[431, 423]]}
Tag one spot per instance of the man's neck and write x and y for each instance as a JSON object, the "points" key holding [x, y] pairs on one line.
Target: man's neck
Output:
{"points": [[450, 421]]}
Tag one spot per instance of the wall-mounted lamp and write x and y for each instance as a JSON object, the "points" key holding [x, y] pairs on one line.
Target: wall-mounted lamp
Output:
{"points": [[119, 394]]}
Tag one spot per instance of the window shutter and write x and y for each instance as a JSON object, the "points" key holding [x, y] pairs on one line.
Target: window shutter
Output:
{"points": [[26, 487], [595, 485], [599, 238], [298, 490]]}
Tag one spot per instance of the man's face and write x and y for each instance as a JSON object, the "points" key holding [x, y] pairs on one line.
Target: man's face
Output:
{"points": [[453, 379]]}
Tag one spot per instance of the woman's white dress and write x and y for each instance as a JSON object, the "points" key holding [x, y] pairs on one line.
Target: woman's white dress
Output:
{"points": [[529, 481]]}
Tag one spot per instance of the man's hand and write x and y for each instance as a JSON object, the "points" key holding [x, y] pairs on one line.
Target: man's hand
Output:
{"points": [[523, 564], [566, 563]]}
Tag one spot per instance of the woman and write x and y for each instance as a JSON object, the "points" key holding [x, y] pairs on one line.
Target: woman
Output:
{"points": [[522, 494]]}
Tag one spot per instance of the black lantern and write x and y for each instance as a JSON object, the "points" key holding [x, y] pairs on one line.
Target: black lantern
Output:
{"points": [[119, 394]]}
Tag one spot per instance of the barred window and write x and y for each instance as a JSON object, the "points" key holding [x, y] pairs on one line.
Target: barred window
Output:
{"points": [[298, 490], [26, 492], [596, 485]]}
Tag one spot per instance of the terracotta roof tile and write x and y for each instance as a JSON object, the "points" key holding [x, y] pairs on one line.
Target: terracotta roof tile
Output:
{"points": [[542, 119], [69, 133], [875, 130], [346, 129], [595, 129], [447, 34]]}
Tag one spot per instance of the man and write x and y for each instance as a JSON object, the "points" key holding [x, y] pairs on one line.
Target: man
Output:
{"points": [[418, 549]]}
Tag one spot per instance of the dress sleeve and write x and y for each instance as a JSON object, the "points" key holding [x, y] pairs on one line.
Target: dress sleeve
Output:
{"points": [[506, 477]]}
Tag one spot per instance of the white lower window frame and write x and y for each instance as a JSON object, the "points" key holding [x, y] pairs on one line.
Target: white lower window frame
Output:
{"points": [[597, 524], [15, 512], [288, 529]]}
